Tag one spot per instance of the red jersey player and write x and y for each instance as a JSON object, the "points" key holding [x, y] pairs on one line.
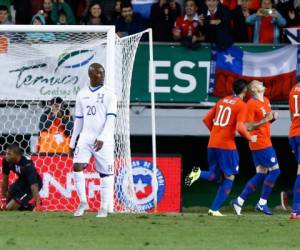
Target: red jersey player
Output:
{"points": [[259, 120], [223, 120], [294, 138]]}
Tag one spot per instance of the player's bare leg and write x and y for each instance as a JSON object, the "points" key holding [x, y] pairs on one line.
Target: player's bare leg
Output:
{"points": [[80, 188], [107, 184], [12, 205]]}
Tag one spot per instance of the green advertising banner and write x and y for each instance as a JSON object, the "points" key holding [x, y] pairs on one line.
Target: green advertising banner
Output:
{"points": [[181, 75]]}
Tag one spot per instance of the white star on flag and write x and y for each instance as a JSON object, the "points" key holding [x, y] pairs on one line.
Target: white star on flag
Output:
{"points": [[140, 186], [229, 58]]}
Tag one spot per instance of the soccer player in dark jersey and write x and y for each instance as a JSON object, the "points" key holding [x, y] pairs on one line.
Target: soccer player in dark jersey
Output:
{"points": [[27, 186]]}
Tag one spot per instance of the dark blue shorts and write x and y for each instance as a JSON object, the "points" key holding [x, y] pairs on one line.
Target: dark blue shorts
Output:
{"points": [[21, 192], [264, 157], [295, 145], [223, 160]]}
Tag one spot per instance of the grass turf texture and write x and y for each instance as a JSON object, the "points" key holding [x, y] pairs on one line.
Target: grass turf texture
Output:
{"points": [[35, 231]]}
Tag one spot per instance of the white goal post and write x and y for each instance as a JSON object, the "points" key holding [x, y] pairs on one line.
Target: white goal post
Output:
{"points": [[39, 63]]}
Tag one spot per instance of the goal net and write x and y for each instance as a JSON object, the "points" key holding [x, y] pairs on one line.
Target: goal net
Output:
{"points": [[42, 69]]}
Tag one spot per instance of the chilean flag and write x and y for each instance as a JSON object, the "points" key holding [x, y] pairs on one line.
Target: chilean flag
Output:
{"points": [[143, 186], [279, 69]]}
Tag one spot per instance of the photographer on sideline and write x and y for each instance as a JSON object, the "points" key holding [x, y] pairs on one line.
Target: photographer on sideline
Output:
{"points": [[56, 125]]}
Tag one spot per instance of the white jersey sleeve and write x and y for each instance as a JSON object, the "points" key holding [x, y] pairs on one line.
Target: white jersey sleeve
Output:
{"points": [[78, 124], [112, 106], [107, 134], [78, 107]]}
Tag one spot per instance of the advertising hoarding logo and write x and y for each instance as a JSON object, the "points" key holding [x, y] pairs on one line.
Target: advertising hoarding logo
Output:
{"points": [[142, 172], [75, 59]]}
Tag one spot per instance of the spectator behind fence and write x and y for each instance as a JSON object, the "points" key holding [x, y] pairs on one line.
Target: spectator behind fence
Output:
{"points": [[217, 22], [162, 20], [56, 125], [46, 11], [130, 22], [116, 13], [62, 18], [188, 27], [293, 13], [95, 15], [61, 13], [175, 8], [9, 5], [242, 32], [4, 15], [36, 37], [267, 22]]}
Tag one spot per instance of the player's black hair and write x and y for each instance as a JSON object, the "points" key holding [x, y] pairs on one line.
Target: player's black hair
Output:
{"points": [[3, 8], [126, 4], [15, 148], [56, 99], [239, 85]]}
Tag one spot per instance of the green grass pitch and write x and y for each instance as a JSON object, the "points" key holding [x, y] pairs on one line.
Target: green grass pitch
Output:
{"points": [[43, 231]]}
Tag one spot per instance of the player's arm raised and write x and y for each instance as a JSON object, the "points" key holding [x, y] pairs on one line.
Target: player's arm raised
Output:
{"points": [[108, 131], [208, 119], [78, 123]]}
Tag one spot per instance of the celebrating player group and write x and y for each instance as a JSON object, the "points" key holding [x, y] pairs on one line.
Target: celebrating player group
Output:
{"points": [[252, 120]]}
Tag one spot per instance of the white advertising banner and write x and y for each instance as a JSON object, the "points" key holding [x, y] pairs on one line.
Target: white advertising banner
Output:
{"points": [[42, 71]]}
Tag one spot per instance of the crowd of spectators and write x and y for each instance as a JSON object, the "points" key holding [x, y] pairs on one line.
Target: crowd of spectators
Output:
{"points": [[191, 22]]}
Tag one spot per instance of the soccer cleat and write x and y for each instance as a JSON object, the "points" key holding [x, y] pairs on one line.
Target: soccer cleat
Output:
{"points": [[83, 206], [102, 213], [284, 198], [295, 216], [215, 213], [263, 208], [193, 176], [236, 207]]}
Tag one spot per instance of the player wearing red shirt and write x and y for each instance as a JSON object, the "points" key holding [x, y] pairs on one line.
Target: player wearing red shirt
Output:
{"points": [[223, 120], [259, 118], [294, 138]]}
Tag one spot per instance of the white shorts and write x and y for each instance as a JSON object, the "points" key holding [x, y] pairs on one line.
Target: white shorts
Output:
{"points": [[104, 158]]}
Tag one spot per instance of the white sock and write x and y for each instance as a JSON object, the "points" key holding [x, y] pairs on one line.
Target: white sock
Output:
{"points": [[262, 202], [107, 189], [240, 201], [79, 181], [111, 195]]}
